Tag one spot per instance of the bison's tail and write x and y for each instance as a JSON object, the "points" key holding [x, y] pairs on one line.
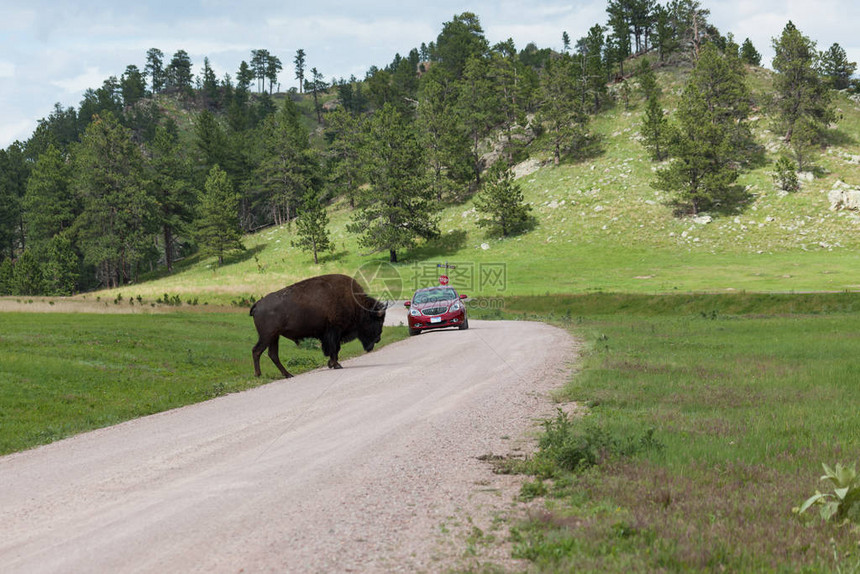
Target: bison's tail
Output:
{"points": [[251, 312]]}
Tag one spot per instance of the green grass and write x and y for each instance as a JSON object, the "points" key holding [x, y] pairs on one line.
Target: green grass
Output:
{"points": [[709, 427], [569, 307], [67, 373]]}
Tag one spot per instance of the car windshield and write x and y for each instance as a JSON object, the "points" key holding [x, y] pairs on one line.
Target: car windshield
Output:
{"points": [[434, 296]]}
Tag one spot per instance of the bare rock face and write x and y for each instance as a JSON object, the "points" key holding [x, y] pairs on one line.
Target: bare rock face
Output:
{"points": [[844, 196]]}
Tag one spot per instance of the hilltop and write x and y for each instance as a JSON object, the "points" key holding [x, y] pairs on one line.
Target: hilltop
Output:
{"points": [[601, 226]]}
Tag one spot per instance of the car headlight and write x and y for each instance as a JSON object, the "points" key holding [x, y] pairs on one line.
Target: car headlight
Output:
{"points": [[456, 306], [415, 312]]}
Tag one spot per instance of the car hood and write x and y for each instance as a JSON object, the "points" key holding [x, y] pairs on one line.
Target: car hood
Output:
{"points": [[434, 304]]}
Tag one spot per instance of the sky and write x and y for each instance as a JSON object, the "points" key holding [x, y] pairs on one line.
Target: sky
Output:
{"points": [[51, 51]]}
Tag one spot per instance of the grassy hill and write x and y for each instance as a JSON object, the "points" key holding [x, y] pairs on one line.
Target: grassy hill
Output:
{"points": [[601, 227]]}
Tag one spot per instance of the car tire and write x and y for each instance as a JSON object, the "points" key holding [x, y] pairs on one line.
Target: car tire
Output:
{"points": [[413, 332], [465, 325]]}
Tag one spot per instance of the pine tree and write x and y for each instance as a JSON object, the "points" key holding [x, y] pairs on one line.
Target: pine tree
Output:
{"points": [[258, 67], [317, 85], [654, 129], [647, 80], [704, 144], [170, 172], [273, 67], [749, 55], [619, 22], [665, 40], [244, 77], [288, 169], [213, 144], [477, 108], [785, 175], [217, 224], [208, 86], [132, 85], [7, 277], [155, 69], [59, 129], [179, 76], [49, 206], [443, 136], [836, 68], [561, 109], [594, 72], [27, 278], [460, 40], [396, 207], [800, 92], [690, 21], [803, 100], [61, 266], [404, 77], [14, 171], [501, 201], [655, 125], [118, 216], [346, 164], [508, 75], [299, 63], [312, 233]]}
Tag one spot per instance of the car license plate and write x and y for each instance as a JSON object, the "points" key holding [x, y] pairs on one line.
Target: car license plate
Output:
{"points": [[435, 319]]}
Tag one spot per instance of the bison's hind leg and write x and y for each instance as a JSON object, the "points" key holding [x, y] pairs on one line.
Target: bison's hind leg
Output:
{"points": [[273, 354], [256, 352]]}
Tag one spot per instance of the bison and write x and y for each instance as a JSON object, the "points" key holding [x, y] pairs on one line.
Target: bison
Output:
{"points": [[331, 308]]}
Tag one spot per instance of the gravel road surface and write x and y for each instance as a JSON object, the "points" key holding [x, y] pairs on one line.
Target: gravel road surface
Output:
{"points": [[372, 468]]}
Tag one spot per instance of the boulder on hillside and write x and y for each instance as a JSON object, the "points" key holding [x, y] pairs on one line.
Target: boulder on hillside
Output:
{"points": [[526, 167], [844, 196]]}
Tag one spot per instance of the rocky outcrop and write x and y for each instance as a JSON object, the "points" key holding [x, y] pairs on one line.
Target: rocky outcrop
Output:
{"points": [[844, 196]]}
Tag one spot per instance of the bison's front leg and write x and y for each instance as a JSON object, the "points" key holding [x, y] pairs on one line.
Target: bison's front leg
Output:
{"points": [[331, 347]]}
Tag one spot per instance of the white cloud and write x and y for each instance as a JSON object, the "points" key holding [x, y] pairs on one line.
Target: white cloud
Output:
{"points": [[92, 77], [15, 128], [823, 21], [7, 69]]}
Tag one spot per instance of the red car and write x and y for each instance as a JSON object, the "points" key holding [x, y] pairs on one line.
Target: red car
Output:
{"points": [[436, 308]]}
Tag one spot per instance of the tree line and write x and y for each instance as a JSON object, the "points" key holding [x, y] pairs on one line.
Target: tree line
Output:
{"points": [[124, 185]]}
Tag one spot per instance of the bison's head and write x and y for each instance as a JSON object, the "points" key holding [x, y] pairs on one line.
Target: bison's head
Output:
{"points": [[370, 330]]}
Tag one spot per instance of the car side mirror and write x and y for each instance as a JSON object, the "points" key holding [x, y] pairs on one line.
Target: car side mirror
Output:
{"points": [[407, 303], [463, 296]]}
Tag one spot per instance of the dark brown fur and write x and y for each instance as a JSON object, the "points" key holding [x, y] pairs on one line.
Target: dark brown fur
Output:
{"points": [[331, 308]]}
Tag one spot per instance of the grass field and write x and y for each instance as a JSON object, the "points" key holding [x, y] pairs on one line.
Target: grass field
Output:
{"points": [[67, 373], [708, 419]]}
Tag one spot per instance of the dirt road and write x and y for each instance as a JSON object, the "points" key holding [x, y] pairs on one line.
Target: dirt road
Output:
{"points": [[372, 468]]}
